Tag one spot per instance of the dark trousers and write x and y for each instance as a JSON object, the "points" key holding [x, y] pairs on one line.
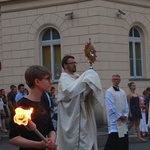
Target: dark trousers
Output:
{"points": [[116, 143]]}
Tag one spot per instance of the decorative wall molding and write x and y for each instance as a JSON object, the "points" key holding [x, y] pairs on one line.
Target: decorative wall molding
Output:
{"points": [[140, 3], [16, 5]]}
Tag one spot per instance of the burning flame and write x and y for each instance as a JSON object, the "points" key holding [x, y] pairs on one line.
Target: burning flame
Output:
{"points": [[22, 116]]}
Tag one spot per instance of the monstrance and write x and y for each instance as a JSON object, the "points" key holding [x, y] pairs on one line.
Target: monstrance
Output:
{"points": [[90, 53]]}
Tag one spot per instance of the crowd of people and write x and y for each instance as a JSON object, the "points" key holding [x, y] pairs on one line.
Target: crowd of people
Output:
{"points": [[9, 102], [71, 111]]}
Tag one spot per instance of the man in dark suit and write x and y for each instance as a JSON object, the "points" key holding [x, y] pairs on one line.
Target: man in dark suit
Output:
{"points": [[47, 101]]}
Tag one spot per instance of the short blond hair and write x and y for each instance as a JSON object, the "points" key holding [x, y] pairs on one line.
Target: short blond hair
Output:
{"points": [[115, 75]]}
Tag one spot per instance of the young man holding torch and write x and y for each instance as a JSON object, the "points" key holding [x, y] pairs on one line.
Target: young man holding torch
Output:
{"points": [[38, 78]]}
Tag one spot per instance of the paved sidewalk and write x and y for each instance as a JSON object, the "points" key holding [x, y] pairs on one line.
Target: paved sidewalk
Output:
{"points": [[133, 144], [101, 136]]}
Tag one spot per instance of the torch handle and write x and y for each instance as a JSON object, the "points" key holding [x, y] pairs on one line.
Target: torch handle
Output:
{"points": [[40, 135]]}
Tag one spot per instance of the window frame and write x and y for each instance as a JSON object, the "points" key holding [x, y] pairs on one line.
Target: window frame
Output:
{"points": [[51, 42], [133, 41]]}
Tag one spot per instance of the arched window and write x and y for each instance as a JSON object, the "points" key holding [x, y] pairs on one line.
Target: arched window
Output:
{"points": [[135, 53], [51, 52]]}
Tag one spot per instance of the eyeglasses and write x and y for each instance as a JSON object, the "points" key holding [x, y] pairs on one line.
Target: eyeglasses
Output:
{"points": [[47, 78], [72, 63], [116, 79]]}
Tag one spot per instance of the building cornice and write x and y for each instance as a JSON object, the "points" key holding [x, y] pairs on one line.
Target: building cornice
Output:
{"points": [[17, 5], [139, 3], [1, 1]]}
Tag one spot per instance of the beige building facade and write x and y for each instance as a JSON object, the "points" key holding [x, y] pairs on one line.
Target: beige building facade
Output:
{"points": [[119, 30]]}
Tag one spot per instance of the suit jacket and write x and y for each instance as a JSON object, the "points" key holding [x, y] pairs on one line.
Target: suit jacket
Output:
{"points": [[46, 102]]}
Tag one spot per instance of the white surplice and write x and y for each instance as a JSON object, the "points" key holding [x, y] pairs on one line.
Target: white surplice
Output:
{"points": [[116, 106], [76, 128]]}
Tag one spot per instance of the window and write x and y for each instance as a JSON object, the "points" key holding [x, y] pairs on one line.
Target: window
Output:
{"points": [[51, 52], [135, 53]]}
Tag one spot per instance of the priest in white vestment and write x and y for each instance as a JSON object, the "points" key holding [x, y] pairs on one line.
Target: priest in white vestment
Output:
{"points": [[117, 114], [77, 96]]}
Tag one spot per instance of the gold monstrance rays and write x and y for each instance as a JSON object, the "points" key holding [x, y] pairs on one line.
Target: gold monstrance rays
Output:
{"points": [[90, 53]]}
